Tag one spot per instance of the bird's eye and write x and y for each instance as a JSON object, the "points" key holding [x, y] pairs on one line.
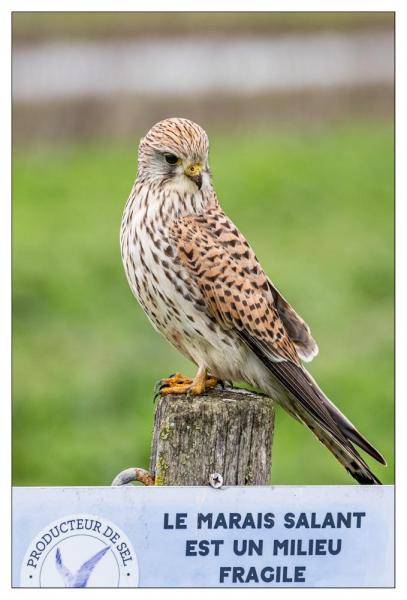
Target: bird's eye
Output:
{"points": [[172, 159]]}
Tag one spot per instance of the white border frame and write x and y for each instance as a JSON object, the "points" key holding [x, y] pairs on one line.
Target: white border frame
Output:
{"points": [[8, 6]]}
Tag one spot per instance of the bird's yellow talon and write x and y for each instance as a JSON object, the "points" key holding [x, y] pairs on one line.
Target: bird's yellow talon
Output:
{"points": [[196, 390], [176, 379], [205, 384], [182, 388], [179, 384], [211, 382]]}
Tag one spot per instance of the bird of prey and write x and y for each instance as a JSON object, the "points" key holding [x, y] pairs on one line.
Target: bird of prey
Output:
{"points": [[80, 578], [202, 287]]}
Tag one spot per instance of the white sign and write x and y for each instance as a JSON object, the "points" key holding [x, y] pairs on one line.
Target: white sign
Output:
{"points": [[280, 536]]}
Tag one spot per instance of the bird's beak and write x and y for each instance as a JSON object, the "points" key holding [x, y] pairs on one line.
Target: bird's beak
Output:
{"points": [[194, 172]]}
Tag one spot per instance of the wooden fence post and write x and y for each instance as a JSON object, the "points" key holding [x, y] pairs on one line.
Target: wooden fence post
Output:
{"points": [[227, 431]]}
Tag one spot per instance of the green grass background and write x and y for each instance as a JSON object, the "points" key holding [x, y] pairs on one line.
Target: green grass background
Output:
{"points": [[317, 207]]}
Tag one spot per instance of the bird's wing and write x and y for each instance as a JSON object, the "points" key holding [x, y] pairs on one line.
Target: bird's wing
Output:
{"points": [[234, 287], [86, 569], [62, 570], [238, 295], [228, 235], [296, 327]]}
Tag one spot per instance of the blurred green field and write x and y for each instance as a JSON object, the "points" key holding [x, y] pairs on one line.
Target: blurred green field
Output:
{"points": [[318, 209]]}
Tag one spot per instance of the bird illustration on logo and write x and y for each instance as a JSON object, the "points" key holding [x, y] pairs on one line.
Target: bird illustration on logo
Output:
{"points": [[80, 578]]}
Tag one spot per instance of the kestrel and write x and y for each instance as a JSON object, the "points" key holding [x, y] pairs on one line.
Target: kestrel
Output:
{"points": [[202, 287]]}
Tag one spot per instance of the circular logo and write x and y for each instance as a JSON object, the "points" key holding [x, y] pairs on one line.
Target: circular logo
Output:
{"points": [[80, 551]]}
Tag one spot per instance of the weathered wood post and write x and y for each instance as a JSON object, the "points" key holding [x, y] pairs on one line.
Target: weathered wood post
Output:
{"points": [[226, 431]]}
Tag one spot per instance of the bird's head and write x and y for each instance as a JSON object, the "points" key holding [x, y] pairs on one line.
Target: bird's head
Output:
{"points": [[175, 151]]}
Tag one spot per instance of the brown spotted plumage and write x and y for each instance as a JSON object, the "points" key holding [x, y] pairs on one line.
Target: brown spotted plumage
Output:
{"points": [[202, 287]]}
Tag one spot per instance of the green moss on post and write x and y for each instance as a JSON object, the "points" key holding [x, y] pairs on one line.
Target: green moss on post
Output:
{"points": [[161, 471]]}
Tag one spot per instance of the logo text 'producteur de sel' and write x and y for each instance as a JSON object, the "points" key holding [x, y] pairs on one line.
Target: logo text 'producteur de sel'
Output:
{"points": [[80, 551]]}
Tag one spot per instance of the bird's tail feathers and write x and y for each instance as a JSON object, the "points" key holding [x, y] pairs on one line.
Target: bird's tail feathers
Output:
{"points": [[347, 455], [353, 435], [347, 428], [310, 405]]}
